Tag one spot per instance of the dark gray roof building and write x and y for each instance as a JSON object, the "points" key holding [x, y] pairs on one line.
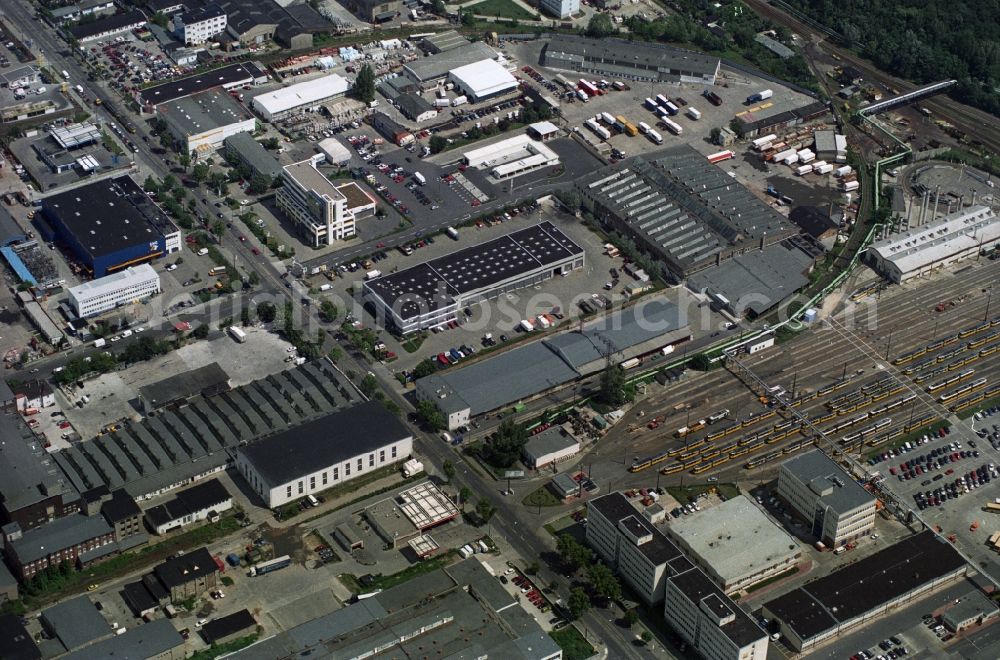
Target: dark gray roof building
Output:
{"points": [[208, 380], [682, 209], [60, 534], [434, 67], [108, 26], [439, 42], [227, 77], [16, 642], [224, 629], [631, 60], [185, 568], [188, 502], [414, 107], [31, 479], [252, 153], [156, 639], [75, 623]]}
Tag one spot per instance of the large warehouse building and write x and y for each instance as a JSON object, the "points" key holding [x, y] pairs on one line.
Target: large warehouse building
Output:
{"points": [[428, 71], [483, 80], [511, 157], [201, 123], [682, 209], [629, 60], [315, 205], [646, 328], [324, 453], [307, 95], [108, 292], [227, 77], [836, 508], [865, 590], [735, 544], [110, 225], [431, 294], [935, 245]]}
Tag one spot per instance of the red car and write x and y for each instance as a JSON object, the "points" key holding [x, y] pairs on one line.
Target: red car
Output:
{"points": [[255, 251], [64, 425]]}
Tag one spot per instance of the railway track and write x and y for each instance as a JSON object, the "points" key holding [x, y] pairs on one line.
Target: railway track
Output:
{"points": [[978, 125]]}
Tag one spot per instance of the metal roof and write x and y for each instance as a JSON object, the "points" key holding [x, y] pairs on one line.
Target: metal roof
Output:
{"points": [[437, 66], [150, 640], [816, 468], [75, 622], [253, 154], [629, 57], [57, 535]]}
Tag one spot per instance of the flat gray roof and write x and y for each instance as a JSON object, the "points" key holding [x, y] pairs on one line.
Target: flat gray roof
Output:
{"points": [[58, 534], [447, 40], [525, 371], [735, 538], [150, 640], [203, 112], [254, 154], [635, 57], [437, 66], [823, 473], [30, 474], [75, 622], [550, 440], [972, 605], [185, 385]]}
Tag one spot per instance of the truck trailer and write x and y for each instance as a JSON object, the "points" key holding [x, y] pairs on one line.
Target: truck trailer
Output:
{"points": [[270, 566], [762, 95], [237, 334]]}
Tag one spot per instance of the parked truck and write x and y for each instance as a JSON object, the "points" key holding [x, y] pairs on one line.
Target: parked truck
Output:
{"points": [[270, 566], [372, 274], [762, 95], [693, 113], [420, 178], [452, 233], [237, 334], [712, 97], [101, 343]]}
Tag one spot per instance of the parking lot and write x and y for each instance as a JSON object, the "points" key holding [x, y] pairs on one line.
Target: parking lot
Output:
{"points": [[127, 62]]}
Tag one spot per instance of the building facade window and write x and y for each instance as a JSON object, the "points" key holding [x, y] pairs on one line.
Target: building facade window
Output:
{"points": [[324, 476], [394, 451], [301, 488]]}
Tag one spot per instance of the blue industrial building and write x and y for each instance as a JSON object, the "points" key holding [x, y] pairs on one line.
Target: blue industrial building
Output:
{"points": [[110, 225]]}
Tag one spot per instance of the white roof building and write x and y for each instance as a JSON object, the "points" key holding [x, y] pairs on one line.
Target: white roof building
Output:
{"points": [[282, 102], [335, 151], [110, 291], [936, 244], [511, 157], [483, 79]]}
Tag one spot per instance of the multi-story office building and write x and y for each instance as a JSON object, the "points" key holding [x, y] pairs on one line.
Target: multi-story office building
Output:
{"points": [[834, 505], [199, 25], [108, 292], [314, 204]]}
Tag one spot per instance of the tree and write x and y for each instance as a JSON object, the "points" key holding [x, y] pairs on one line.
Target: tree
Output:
{"points": [[485, 510], [218, 227], [425, 367], [438, 8], [168, 184], [449, 470], [464, 495], [200, 172], [614, 390], [573, 554], [369, 385], [533, 568], [631, 618], [578, 602], [219, 182], [438, 144], [715, 135], [570, 198], [335, 354], [603, 582], [505, 447], [736, 126], [159, 18], [364, 84], [184, 160], [328, 310], [468, 18], [699, 362], [267, 312], [201, 332], [150, 185], [646, 636], [430, 416], [600, 26]]}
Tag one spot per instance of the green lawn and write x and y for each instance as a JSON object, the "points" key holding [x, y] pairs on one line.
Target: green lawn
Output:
{"points": [[408, 573], [542, 497], [574, 646], [909, 437], [972, 410], [502, 9]]}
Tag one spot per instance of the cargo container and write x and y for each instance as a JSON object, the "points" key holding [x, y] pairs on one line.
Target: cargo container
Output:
{"points": [[850, 185], [607, 118], [655, 137], [412, 467], [372, 274], [526, 325], [693, 113], [712, 97], [441, 103], [459, 100], [806, 156], [782, 155], [826, 168], [791, 159], [219, 564], [760, 96], [672, 126], [760, 143], [650, 104], [625, 126], [661, 111], [672, 109], [661, 99], [818, 163], [843, 171], [270, 566], [589, 88], [619, 85], [720, 156], [644, 128], [233, 559], [237, 334], [603, 132], [803, 169]]}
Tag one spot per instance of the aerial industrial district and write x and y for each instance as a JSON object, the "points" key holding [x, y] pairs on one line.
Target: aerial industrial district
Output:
{"points": [[435, 341]]}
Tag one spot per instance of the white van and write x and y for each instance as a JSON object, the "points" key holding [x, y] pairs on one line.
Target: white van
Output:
{"points": [[446, 437], [312, 500]]}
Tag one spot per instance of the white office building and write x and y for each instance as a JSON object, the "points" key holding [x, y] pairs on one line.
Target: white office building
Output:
{"points": [[318, 209], [200, 25], [108, 292], [935, 245], [836, 508], [324, 453], [560, 8]]}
